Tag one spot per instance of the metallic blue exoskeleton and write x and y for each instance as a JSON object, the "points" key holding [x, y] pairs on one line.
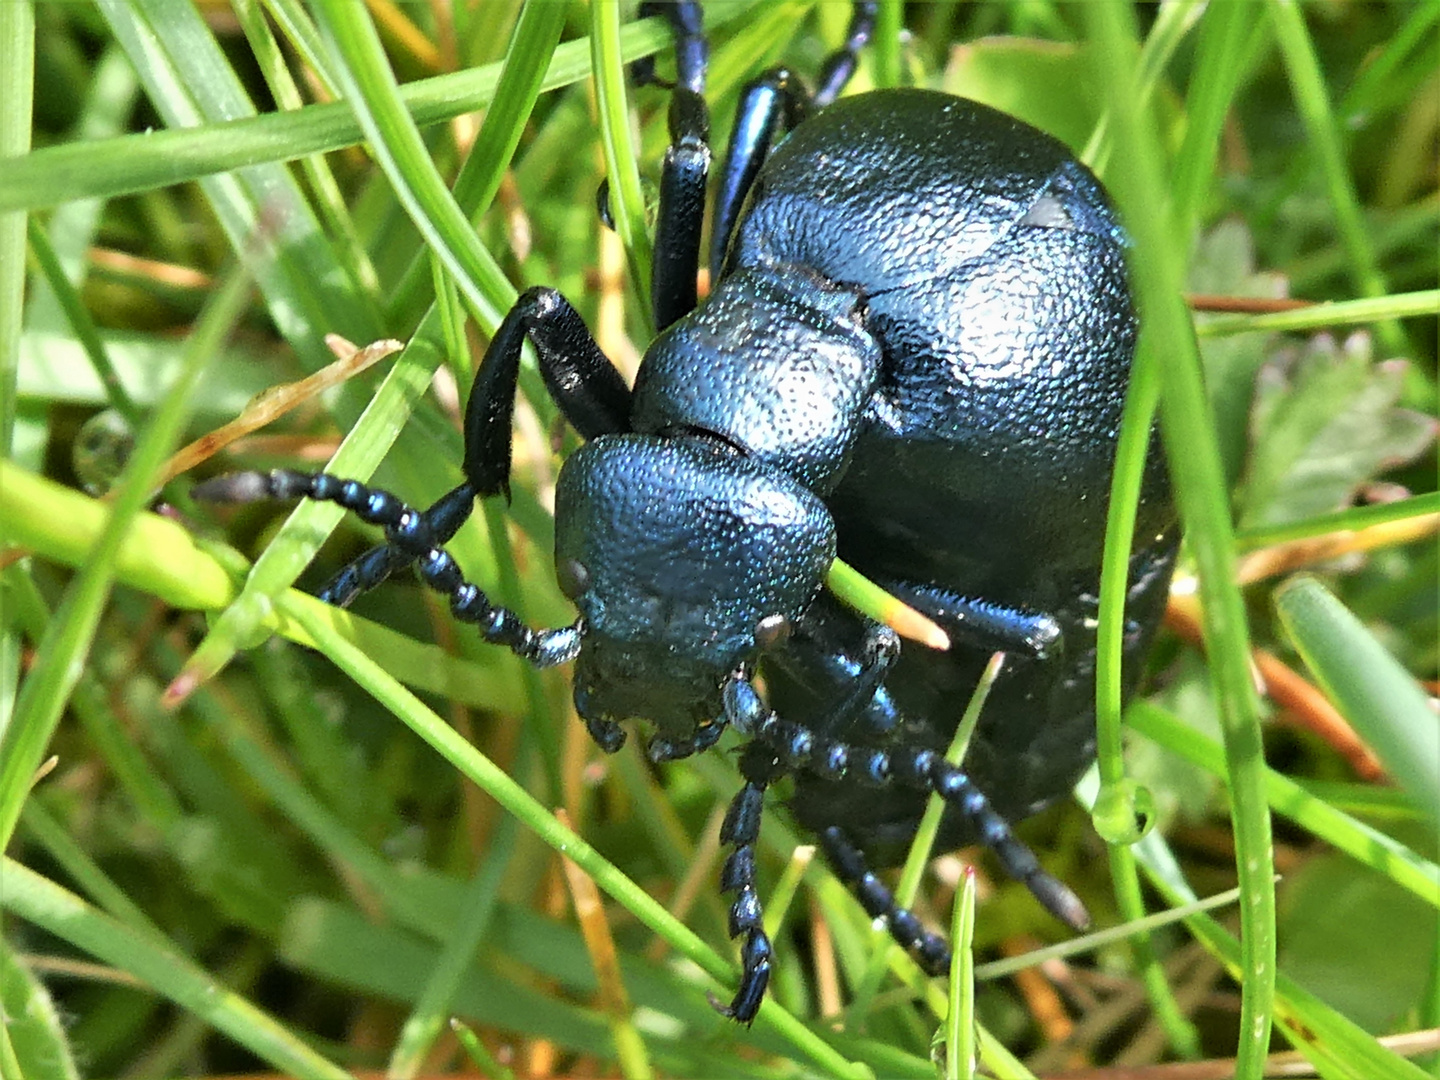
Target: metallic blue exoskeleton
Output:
{"points": [[915, 355]]}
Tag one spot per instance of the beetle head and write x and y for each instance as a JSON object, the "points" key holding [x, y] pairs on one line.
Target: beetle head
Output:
{"points": [[684, 557]]}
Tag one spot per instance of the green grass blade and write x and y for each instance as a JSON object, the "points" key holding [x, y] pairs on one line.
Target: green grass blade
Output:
{"points": [[1338, 1047], [190, 83], [1321, 316], [1371, 689], [142, 162], [627, 204], [532, 49], [960, 1021], [1358, 517], [328, 196], [371, 91], [889, 25], [32, 1039], [17, 80], [1201, 494], [1367, 845], [161, 558], [62, 913], [82, 326], [535, 817], [1308, 85], [1117, 812], [425, 1024]]}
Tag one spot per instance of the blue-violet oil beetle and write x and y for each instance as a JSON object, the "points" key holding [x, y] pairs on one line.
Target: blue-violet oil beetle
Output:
{"points": [[914, 356]]}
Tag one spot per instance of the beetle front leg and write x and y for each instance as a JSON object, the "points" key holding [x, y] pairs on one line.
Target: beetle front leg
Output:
{"points": [[583, 383], [443, 519], [681, 212], [741, 829]]}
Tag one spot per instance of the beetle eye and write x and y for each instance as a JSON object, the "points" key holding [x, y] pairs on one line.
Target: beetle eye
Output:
{"points": [[771, 631], [573, 578]]}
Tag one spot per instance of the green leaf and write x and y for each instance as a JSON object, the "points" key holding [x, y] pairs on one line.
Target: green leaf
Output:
{"points": [[1357, 941], [1325, 423], [1018, 76]]}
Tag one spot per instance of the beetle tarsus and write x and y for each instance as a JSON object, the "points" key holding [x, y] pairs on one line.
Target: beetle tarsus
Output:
{"points": [[930, 950], [741, 829]]}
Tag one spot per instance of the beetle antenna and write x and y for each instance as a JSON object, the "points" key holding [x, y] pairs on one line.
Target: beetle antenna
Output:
{"points": [[409, 532]]}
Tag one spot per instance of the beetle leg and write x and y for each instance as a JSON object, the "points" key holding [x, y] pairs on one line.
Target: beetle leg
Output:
{"points": [[929, 949], [984, 623], [443, 519], [879, 650], [582, 381], [769, 106], [798, 747], [957, 789], [407, 531], [705, 737], [741, 829], [681, 212], [692, 51], [840, 66]]}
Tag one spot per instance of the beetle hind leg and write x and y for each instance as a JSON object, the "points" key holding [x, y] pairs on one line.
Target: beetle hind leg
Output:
{"points": [[958, 790], [929, 949]]}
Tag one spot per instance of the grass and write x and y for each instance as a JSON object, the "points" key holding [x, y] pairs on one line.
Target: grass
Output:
{"points": [[231, 854]]}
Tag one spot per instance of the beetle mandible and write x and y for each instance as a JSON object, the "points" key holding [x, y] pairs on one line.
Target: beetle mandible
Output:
{"points": [[915, 355]]}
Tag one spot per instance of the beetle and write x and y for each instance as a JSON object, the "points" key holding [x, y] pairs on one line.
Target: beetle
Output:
{"points": [[914, 356]]}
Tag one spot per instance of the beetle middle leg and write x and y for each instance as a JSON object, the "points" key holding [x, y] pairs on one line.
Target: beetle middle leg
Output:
{"points": [[769, 107]]}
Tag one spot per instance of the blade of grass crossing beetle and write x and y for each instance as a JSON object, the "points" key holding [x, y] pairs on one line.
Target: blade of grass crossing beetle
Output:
{"points": [[1202, 498], [862, 594]]}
